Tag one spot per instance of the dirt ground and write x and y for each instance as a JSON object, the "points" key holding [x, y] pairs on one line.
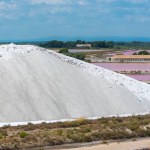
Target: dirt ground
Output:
{"points": [[127, 145]]}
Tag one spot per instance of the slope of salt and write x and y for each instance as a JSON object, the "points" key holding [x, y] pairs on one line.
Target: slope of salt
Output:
{"points": [[139, 89]]}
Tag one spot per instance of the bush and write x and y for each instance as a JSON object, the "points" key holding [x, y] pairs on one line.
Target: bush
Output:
{"points": [[59, 132], [81, 121], [143, 53], [3, 133], [23, 134], [63, 50], [85, 129], [77, 138], [133, 127], [80, 56], [104, 142]]}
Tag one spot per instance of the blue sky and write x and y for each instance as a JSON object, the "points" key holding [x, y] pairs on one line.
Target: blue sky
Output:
{"points": [[33, 19]]}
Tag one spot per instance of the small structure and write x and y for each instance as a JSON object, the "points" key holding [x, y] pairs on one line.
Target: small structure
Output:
{"points": [[130, 58], [83, 46]]}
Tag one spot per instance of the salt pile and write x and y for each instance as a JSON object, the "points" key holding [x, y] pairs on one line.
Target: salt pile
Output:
{"points": [[39, 84]]}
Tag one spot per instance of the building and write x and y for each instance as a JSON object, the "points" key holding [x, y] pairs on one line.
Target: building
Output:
{"points": [[130, 58], [83, 46]]}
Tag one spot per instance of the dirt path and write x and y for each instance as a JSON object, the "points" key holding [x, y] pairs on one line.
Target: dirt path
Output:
{"points": [[127, 145]]}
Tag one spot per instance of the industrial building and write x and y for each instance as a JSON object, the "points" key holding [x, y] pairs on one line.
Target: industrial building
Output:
{"points": [[130, 58]]}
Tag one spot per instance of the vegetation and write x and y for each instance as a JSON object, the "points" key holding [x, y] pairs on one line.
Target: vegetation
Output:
{"points": [[143, 53], [72, 44], [78, 131], [23, 134], [98, 44], [80, 56], [64, 50], [132, 45], [95, 44]]}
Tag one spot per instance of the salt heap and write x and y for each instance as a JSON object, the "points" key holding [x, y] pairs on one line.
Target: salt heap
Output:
{"points": [[38, 84]]}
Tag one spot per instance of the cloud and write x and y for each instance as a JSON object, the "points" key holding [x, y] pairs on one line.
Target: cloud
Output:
{"points": [[50, 2], [7, 9], [7, 5], [137, 18], [137, 1], [128, 1], [69, 16], [105, 1], [82, 2], [59, 2]]}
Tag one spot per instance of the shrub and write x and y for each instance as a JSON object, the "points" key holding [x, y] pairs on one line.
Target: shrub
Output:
{"points": [[3, 133], [77, 138], [85, 129], [23, 134], [104, 142], [63, 50], [81, 121], [133, 127], [80, 56], [143, 53], [59, 132]]}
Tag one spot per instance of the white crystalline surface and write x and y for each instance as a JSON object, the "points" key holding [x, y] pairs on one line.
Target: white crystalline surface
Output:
{"points": [[6, 51], [38, 84]]}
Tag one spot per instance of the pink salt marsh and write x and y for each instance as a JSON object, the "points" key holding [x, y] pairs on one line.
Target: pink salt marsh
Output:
{"points": [[125, 66]]}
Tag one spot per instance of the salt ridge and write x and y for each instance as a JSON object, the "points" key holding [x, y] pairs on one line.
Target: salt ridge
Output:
{"points": [[140, 89]]}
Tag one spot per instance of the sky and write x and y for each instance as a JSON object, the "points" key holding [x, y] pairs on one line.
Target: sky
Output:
{"points": [[37, 19]]}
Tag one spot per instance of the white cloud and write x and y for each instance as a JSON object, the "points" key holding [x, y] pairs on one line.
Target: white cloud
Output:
{"points": [[82, 2], [60, 2], [51, 7], [50, 2], [106, 1], [6, 9], [7, 6]]}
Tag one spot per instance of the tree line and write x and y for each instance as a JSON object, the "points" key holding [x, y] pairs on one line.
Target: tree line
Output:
{"points": [[72, 44]]}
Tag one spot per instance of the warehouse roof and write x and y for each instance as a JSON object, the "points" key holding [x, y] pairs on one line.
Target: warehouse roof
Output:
{"points": [[132, 56]]}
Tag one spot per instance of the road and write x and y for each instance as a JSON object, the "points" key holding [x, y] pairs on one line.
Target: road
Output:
{"points": [[127, 145]]}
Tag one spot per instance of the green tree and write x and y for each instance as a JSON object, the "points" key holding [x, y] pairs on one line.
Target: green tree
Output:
{"points": [[143, 53]]}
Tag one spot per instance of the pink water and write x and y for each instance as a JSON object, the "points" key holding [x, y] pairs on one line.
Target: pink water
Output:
{"points": [[130, 52], [128, 67], [127, 52], [125, 66], [140, 77]]}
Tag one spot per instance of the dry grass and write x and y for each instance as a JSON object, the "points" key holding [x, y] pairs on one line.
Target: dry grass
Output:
{"points": [[80, 130]]}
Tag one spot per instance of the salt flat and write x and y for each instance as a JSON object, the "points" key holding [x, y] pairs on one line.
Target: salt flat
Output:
{"points": [[38, 84]]}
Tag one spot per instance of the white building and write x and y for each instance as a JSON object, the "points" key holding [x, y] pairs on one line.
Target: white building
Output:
{"points": [[83, 46]]}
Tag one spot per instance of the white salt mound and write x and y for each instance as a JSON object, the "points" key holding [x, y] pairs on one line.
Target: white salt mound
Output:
{"points": [[38, 84]]}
